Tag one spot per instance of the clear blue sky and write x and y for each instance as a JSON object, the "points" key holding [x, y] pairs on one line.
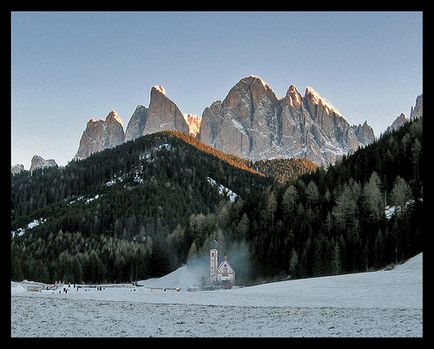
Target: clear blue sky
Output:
{"points": [[70, 66]]}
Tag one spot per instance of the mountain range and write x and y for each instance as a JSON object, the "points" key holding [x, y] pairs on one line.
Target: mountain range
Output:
{"points": [[251, 122]]}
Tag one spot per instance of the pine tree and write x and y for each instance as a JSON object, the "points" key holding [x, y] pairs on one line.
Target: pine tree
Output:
{"points": [[312, 194], [373, 198], [289, 201], [400, 193], [294, 264], [336, 259], [243, 226]]}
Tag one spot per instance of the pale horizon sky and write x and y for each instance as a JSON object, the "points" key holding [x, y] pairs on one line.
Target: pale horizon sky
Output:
{"points": [[68, 67]]}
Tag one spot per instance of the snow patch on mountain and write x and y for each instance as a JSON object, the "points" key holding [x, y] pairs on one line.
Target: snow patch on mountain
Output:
{"points": [[31, 225], [92, 199], [223, 190]]}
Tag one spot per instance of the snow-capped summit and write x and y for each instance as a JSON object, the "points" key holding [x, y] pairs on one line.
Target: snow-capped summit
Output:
{"points": [[312, 96]]}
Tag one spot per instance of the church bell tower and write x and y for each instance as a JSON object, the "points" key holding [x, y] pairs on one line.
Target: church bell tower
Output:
{"points": [[213, 262]]}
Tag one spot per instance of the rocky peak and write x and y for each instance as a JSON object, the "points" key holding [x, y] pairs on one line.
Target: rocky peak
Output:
{"points": [[211, 122], [397, 123], [313, 97], [158, 89], [113, 117], [417, 111], [364, 133], [38, 162], [249, 90], [163, 114], [101, 134], [137, 123], [252, 123], [15, 169], [294, 97]]}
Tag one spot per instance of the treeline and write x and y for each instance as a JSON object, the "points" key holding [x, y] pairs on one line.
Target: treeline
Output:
{"points": [[285, 170]]}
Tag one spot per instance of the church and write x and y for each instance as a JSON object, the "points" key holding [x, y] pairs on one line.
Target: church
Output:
{"points": [[219, 274]]}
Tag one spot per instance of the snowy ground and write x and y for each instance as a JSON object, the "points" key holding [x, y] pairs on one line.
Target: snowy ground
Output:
{"points": [[375, 304]]}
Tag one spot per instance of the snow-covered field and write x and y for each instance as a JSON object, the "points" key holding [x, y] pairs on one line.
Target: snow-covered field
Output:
{"points": [[375, 304]]}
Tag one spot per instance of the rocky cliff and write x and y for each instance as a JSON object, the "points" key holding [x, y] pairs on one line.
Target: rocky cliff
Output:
{"points": [[417, 111], [163, 114], [193, 122], [15, 169], [101, 134], [253, 123], [137, 123], [397, 123], [38, 162]]}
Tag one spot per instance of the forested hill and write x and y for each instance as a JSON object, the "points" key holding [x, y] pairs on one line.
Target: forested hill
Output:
{"points": [[285, 170], [121, 205], [360, 214], [142, 208]]}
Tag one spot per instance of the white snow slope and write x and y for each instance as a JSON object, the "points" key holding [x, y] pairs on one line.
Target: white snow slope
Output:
{"points": [[373, 304]]}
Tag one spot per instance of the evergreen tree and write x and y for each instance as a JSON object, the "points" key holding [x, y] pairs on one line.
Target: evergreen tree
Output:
{"points": [[289, 201], [373, 198], [312, 194], [400, 193], [243, 226], [336, 259], [294, 264]]}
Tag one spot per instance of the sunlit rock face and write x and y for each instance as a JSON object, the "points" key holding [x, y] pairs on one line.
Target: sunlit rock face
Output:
{"points": [[163, 114], [193, 122], [253, 123]]}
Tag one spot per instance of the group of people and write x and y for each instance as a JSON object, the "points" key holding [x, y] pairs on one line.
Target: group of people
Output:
{"points": [[65, 289]]}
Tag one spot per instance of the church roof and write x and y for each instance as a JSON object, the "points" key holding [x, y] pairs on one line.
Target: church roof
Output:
{"points": [[225, 261]]}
